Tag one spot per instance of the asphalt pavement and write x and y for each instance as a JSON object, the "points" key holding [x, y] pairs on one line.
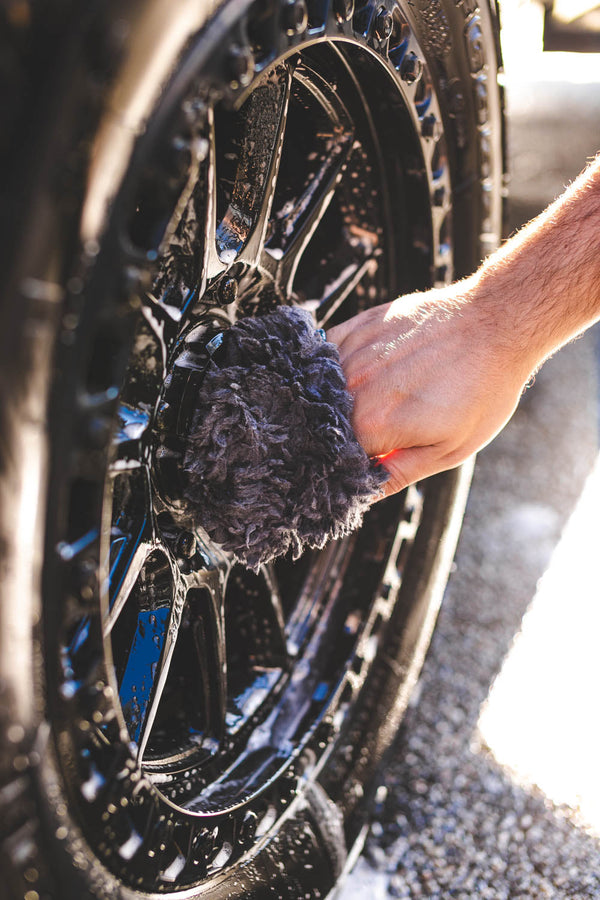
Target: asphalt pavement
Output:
{"points": [[493, 790]]}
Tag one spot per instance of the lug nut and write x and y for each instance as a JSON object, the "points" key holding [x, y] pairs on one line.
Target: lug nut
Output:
{"points": [[383, 24], [295, 17], [344, 10], [228, 290], [411, 68], [85, 579], [194, 111], [186, 545], [428, 126], [248, 828]]}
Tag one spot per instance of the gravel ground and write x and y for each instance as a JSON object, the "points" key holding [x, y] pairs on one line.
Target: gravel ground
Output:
{"points": [[463, 819]]}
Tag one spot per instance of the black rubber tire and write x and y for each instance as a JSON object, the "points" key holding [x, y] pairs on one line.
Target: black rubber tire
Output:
{"points": [[64, 72]]}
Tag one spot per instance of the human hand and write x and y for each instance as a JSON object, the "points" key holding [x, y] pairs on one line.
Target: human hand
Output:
{"points": [[431, 381], [435, 376]]}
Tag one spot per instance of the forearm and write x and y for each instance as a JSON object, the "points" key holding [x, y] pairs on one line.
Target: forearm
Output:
{"points": [[542, 288]]}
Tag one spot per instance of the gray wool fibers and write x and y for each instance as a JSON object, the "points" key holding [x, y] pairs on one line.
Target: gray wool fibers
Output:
{"points": [[271, 462]]}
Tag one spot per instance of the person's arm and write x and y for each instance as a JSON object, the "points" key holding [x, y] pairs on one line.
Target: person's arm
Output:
{"points": [[435, 376]]}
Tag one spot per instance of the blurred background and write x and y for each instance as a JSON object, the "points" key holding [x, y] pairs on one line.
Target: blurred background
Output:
{"points": [[493, 788]]}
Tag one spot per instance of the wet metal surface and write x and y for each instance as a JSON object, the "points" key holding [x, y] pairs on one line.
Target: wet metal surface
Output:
{"points": [[199, 703]]}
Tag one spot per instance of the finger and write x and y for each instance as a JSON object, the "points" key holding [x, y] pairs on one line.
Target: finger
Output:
{"points": [[339, 333], [355, 331], [385, 417], [408, 466]]}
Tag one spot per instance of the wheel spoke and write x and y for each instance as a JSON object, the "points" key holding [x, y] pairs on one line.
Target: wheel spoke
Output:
{"points": [[207, 607], [198, 149], [132, 536], [270, 576], [155, 653], [164, 321], [338, 290], [322, 576], [140, 687], [310, 210], [256, 151], [131, 555], [297, 222], [310, 633], [207, 626], [271, 123], [211, 264], [189, 692], [129, 440]]}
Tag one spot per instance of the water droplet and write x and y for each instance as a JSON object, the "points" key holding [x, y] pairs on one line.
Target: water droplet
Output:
{"points": [[222, 856], [131, 845], [173, 871], [228, 256], [91, 787], [15, 734]]}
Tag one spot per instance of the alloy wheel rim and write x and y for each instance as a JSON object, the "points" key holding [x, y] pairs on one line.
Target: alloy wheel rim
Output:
{"points": [[271, 715]]}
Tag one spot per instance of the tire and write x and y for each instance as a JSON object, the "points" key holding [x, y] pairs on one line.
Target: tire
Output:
{"points": [[171, 724]]}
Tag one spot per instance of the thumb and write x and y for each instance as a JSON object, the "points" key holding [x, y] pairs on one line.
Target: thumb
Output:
{"points": [[410, 465]]}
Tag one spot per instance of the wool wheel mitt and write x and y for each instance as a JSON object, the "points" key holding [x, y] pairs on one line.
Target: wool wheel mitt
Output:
{"points": [[271, 463]]}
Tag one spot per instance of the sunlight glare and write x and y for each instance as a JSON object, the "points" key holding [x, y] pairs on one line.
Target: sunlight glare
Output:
{"points": [[522, 48], [541, 720]]}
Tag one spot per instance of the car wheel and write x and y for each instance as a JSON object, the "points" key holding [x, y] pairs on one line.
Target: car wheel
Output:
{"points": [[172, 723]]}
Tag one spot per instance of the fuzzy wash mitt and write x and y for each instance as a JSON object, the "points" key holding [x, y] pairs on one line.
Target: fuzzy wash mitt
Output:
{"points": [[271, 463]]}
